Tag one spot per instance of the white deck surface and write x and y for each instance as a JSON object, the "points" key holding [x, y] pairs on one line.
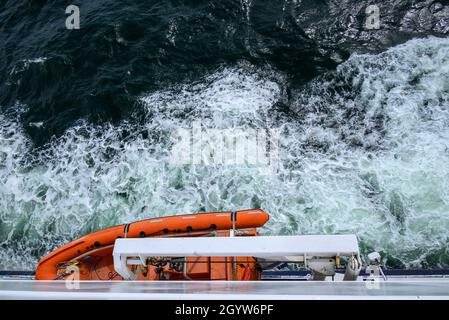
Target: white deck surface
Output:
{"points": [[221, 290]]}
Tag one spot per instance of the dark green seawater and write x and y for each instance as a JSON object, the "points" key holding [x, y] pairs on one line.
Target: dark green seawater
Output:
{"points": [[362, 115]]}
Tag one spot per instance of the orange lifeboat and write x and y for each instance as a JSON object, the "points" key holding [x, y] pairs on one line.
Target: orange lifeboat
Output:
{"points": [[91, 256]]}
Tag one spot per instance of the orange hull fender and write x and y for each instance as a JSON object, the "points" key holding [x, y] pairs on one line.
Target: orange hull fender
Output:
{"points": [[47, 268]]}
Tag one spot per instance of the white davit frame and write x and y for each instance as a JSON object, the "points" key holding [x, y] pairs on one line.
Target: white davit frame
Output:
{"points": [[290, 248]]}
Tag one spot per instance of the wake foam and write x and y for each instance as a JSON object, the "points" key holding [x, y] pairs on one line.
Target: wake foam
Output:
{"points": [[365, 151]]}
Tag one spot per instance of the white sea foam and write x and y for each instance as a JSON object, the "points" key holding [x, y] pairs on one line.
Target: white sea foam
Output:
{"points": [[25, 64], [367, 153]]}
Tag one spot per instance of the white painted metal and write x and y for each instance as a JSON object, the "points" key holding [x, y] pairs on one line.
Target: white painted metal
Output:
{"points": [[293, 248], [225, 290], [314, 245]]}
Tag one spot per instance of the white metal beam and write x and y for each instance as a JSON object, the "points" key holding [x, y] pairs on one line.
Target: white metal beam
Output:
{"points": [[313, 245], [276, 247]]}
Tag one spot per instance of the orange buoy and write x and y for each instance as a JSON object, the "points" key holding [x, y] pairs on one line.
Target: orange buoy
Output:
{"points": [[92, 254]]}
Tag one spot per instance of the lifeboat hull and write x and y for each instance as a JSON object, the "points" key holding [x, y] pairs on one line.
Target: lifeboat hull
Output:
{"points": [[90, 257]]}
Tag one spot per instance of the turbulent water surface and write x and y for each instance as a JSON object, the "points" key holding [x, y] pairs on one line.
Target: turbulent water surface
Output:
{"points": [[362, 119]]}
